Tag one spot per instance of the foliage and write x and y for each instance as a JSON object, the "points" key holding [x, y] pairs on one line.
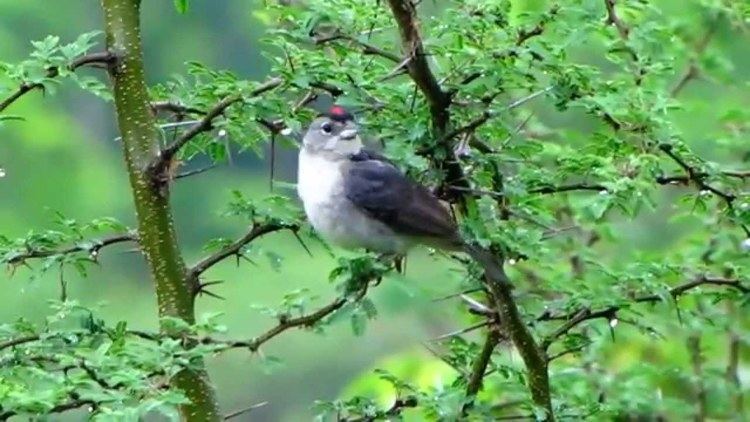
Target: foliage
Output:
{"points": [[551, 127]]}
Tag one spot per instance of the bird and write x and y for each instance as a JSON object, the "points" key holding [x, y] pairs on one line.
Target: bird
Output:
{"points": [[357, 198]]}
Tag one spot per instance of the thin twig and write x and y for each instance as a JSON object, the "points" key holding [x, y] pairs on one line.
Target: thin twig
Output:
{"points": [[104, 57], [488, 114], [366, 47], [566, 352], [92, 247], [235, 248], [568, 188], [195, 172], [18, 341], [174, 107], [699, 178], [693, 69], [462, 331], [406, 17], [304, 321], [573, 319], [206, 123], [245, 410]]}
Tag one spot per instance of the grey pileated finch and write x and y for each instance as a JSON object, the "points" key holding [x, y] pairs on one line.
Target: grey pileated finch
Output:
{"points": [[356, 198]]}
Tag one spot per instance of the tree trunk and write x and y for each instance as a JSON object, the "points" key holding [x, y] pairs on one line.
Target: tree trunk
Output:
{"points": [[156, 233]]}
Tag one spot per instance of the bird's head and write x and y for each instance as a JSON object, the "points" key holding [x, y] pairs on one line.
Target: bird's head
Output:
{"points": [[333, 132]]}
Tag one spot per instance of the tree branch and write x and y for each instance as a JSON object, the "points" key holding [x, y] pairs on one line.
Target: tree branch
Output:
{"points": [[699, 179], [86, 60], [366, 47], [90, 247], [234, 249], [411, 42], [244, 411], [693, 70], [613, 19], [18, 341], [479, 369], [567, 188], [285, 323], [161, 162], [74, 403], [533, 356], [486, 115], [624, 32], [538, 29], [174, 107], [577, 317]]}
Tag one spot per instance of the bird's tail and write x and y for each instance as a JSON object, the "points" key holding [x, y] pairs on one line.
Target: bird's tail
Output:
{"points": [[493, 267]]}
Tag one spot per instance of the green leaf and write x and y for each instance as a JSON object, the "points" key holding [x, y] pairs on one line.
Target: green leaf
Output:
{"points": [[181, 5]]}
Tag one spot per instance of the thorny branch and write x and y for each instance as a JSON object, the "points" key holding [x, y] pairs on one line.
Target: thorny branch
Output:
{"points": [[699, 179], [235, 248], [104, 57], [285, 323], [366, 47], [162, 161], [411, 40], [74, 403], [479, 368], [92, 247], [575, 318]]}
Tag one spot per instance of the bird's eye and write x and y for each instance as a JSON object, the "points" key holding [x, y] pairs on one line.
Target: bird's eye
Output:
{"points": [[326, 127]]}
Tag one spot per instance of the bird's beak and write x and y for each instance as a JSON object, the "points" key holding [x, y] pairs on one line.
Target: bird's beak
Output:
{"points": [[348, 134]]}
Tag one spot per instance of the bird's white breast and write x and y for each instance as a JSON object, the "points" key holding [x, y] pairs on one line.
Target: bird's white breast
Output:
{"points": [[318, 180], [320, 185]]}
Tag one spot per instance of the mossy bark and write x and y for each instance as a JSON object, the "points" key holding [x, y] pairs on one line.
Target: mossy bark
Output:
{"points": [[157, 236]]}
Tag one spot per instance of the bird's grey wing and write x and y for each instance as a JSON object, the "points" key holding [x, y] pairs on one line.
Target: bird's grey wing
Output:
{"points": [[384, 193]]}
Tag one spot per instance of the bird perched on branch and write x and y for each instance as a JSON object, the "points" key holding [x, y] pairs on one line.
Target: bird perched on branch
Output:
{"points": [[357, 198]]}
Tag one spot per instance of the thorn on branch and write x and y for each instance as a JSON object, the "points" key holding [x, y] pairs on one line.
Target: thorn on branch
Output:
{"points": [[233, 249], [195, 172], [244, 411], [575, 318], [161, 163]]}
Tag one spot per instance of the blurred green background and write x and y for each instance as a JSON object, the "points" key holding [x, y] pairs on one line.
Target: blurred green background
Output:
{"points": [[64, 158]]}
